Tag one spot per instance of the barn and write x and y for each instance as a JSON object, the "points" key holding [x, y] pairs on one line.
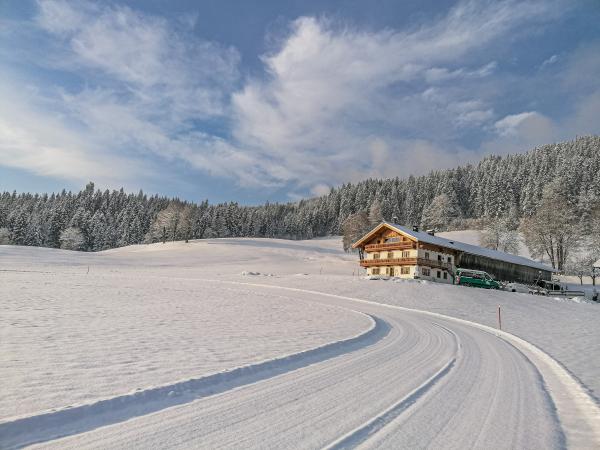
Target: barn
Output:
{"points": [[395, 250]]}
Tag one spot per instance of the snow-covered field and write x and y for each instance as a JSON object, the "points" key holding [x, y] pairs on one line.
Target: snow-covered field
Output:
{"points": [[91, 340], [65, 331]]}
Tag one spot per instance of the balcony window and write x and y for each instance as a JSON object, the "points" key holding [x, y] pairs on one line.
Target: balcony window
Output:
{"points": [[426, 255], [450, 259], [406, 254]]}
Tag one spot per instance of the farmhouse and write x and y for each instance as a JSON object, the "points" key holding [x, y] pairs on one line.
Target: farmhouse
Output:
{"points": [[398, 251]]}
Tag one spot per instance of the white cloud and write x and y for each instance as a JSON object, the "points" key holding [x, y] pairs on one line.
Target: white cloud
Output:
{"points": [[548, 62], [521, 132], [333, 91], [336, 103], [146, 84], [40, 143], [442, 74], [531, 126], [320, 189]]}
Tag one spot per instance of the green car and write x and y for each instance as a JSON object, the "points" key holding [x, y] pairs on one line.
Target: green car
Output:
{"points": [[475, 278]]}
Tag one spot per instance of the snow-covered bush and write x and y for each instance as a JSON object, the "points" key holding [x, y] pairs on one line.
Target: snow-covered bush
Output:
{"points": [[4, 236], [71, 239]]}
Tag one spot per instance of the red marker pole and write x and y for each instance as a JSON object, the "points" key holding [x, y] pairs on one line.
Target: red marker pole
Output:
{"points": [[499, 318]]}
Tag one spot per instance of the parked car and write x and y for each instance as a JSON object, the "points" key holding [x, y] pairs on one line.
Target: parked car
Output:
{"points": [[516, 287], [554, 289], [475, 278]]}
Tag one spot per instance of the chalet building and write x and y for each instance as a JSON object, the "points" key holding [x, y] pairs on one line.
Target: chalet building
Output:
{"points": [[397, 251]]}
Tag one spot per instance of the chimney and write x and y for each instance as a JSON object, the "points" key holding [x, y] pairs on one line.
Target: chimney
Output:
{"points": [[415, 228], [395, 219], [431, 232]]}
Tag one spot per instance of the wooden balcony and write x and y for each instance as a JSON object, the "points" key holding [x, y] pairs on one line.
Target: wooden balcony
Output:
{"points": [[406, 262], [390, 246]]}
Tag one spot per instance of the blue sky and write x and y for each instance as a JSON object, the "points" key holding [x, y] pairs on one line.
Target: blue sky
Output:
{"points": [[279, 100]]}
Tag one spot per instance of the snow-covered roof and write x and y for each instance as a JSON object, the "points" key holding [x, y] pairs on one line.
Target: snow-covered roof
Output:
{"points": [[469, 248], [597, 263]]}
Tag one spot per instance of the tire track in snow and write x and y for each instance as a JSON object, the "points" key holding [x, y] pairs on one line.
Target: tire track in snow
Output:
{"points": [[578, 412], [44, 427], [361, 434]]}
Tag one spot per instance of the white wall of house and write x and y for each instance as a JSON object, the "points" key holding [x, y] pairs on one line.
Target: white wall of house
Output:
{"points": [[434, 274], [397, 271], [428, 254], [392, 254]]}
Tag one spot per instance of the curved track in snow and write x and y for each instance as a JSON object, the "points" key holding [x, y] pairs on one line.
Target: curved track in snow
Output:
{"points": [[429, 382]]}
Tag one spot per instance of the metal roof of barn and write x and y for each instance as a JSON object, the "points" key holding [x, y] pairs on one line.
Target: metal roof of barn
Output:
{"points": [[462, 247]]}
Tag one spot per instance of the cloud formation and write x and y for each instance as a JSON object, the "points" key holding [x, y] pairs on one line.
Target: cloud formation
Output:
{"points": [[335, 103]]}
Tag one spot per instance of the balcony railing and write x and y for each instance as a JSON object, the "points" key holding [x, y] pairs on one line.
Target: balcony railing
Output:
{"points": [[405, 262], [389, 246]]}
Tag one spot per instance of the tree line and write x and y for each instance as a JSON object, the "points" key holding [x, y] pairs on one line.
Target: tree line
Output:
{"points": [[507, 189]]}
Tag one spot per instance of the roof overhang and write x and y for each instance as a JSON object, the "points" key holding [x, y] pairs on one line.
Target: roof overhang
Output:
{"points": [[375, 230]]}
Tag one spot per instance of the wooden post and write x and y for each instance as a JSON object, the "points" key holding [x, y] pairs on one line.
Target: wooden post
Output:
{"points": [[499, 318]]}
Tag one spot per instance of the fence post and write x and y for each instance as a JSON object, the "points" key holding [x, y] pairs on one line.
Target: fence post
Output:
{"points": [[499, 318]]}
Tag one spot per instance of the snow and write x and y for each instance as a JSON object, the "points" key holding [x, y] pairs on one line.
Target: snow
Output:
{"points": [[473, 237], [473, 249], [121, 334], [120, 329]]}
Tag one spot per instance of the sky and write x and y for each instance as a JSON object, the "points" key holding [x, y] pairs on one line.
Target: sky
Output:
{"points": [[280, 100]]}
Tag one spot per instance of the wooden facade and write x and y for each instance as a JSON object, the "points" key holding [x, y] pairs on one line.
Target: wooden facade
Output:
{"points": [[393, 250]]}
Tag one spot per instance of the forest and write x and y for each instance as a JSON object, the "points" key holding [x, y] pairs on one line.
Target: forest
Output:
{"points": [[510, 186]]}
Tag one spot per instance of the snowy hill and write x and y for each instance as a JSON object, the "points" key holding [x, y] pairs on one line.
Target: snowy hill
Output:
{"points": [[123, 333]]}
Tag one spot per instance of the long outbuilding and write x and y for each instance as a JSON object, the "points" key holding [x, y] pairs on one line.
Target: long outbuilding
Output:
{"points": [[395, 250]]}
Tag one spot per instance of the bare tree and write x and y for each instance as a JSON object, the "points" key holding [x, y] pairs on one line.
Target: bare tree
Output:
{"points": [[353, 228], [375, 214], [4, 236], [72, 239], [581, 266], [186, 222], [553, 230], [169, 224], [498, 234], [595, 230], [440, 213]]}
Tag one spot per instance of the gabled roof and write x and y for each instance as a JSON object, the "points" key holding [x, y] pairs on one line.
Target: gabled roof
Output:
{"points": [[459, 246], [371, 233]]}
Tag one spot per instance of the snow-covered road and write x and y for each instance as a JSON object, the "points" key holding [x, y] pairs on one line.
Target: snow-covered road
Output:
{"points": [[424, 382]]}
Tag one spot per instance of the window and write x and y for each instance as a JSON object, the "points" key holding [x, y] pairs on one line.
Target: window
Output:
{"points": [[390, 255], [425, 271], [440, 258], [445, 275], [426, 255], [405, 254], [405, 270], [375, 255], [439, 274], [450, 259], [375, 271], [387, 270]]}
